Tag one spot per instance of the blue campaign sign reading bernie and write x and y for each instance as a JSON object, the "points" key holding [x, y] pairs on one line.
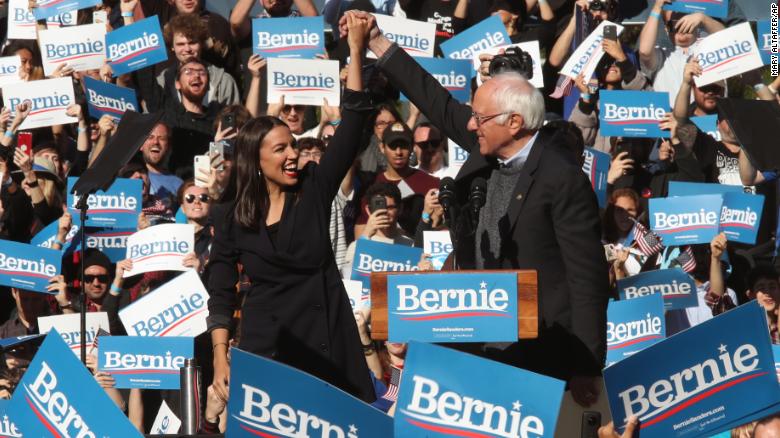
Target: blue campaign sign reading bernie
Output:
{"points": [[633, 325], [677, 288], [50, 8], [144, 362], [686, 220], [296, 37], [452, 307], [270, 399], [48, 235], [136, 46], [707, 124], [452, 74], [680, 188], [596, 166], [632, 113], [28, 267], [741, 216], [371, 256], [701, 381], [7, 426], [448, 393], [764, 30], [58, 397], [108, 99], [118, 207], [484, 35], [713, 8], [111, 242]]}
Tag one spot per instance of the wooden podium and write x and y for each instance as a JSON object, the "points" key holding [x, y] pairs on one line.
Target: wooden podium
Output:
{"points": [[527, 300]]}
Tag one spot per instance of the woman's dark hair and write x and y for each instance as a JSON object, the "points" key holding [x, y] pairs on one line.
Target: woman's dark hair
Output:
{"points": [[246, 185], [307, 143], [132, 167], [761, 271], [240, 114], [385, 189], [611, 232]]}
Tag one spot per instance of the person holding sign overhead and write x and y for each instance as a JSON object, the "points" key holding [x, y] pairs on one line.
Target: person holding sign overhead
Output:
{"points": [[275, 221]]}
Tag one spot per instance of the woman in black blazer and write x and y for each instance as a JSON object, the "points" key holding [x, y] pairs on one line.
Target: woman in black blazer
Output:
{"points": [[296, 309]]}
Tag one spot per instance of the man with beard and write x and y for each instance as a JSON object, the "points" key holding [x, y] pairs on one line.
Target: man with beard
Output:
{"points": [[155, 151], [429, 146], [191, 123]]}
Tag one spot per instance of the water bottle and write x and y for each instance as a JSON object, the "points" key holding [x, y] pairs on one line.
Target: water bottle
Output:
{"points": [[190, 397]]}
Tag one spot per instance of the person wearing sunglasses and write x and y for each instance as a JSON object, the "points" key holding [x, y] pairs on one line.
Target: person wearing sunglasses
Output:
{"points": [[195, 204], [98, 273], [429, 146]]}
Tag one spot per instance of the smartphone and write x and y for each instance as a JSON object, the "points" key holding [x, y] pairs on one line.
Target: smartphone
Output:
{"points": [[624, 146], [377, 202], [202, 164], [228, 121], [24, 143], [591, 421], [217, 149], [610, 32], [99, 17]]}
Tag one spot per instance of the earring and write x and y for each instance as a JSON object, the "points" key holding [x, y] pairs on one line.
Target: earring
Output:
{"points": [[259, 173]]}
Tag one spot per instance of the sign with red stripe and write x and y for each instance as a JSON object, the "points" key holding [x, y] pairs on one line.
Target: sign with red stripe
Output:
{"points": [[143, 362], [633, 325]]}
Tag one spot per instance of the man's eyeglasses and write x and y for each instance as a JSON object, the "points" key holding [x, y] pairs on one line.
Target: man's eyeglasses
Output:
{"points": [[482, 119], [316, 155], [189, 199], [288, 108], [194, 71], [102, 278], [429, 144]]}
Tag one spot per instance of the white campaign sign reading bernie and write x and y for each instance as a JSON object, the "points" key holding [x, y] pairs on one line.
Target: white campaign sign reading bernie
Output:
{"points": [[69, 328], [417, 38], [49, 98], [727, 53], [177, 308], [160, 248], [587, 56], [80, 47], [304, 81]]}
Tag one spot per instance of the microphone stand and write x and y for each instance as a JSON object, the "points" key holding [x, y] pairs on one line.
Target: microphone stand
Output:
{"points": [[82, 206]]}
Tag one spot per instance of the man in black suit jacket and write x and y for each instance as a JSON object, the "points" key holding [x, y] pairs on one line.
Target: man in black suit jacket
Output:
{"points": [[541, 214]]}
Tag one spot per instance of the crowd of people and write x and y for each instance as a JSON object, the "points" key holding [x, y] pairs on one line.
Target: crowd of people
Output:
{"points": [[278, 214]]}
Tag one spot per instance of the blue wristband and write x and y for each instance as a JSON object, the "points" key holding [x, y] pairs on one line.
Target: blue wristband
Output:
{"points": [[9, 133], [81, 130], [585, 96], [127, 14], [426, 217], [115, 289], [335, 122], [656, 15]]}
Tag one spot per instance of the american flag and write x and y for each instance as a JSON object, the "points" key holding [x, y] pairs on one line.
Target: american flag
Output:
{"points": [[392, 387], [100, 332], [647, 241], [686, 260], [562, 87]]}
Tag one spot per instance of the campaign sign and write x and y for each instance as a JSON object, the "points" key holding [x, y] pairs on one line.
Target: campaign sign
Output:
{"points": [[764, 30], [707, 124], [624, 113], [438, 245], [449, 393], [452, 74], [294, 37], [28, 267], [677, 288], [357, 299], [699, 381], [108, 99], [68, 326], [740, 216], [270, 399], [136, 46], [596, 166], [50, 98], [160, 248], [50, 8], [111, 242], [304, 81], [371, 256], [713, 8], [633, 325], [22, 24], [58, 397], [143, 362], [417, 38], [10, 67], [457, 157], [452, 307], [727, 53], [681, 188], [588, 54], [531, 47], [478, 38], [7, 426], [166, 422], [80, 47], [686, 220], [118, 207], [46, 237], [177, 308]]}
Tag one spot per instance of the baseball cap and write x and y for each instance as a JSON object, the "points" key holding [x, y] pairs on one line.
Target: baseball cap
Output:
{"points": [[397, 133]]}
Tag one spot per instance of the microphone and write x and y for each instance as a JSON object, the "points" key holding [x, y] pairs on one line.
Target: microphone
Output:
{"points": [[447, 193], [477, 195]]}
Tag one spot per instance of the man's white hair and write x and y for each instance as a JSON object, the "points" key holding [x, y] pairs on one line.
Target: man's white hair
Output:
{"points": [[515, 95]]}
